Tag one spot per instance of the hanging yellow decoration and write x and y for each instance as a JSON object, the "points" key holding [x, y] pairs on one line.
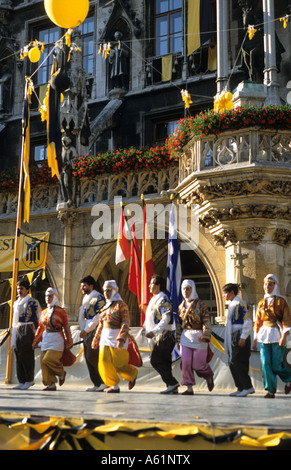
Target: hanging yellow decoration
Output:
{"points": [[106, 49], [223, 102], [251, 31], [30, 88], [67, 13], [285, 21], [186, 98], [33, 50], [68, 37], [44, 108], [34, 54]]}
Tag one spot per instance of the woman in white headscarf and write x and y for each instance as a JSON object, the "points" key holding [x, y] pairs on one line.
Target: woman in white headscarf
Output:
{"points": [[271, 328], [193, 335], [55, 335], [112, 338]]}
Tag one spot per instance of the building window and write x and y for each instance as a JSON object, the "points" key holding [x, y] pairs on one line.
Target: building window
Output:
{"points": [[163, 129], [48, 36], [168, 27], [87, 44], [39, 153]]}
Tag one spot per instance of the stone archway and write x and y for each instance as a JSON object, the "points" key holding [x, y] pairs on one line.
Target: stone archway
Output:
{"points": [[204, 264]]}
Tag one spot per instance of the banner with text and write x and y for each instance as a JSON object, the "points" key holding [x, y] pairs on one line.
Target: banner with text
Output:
{"points": [[32, 251]]}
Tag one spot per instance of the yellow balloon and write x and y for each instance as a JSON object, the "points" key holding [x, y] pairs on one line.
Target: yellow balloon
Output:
{"points": [[34, 54], [228, 95], [67, 13]]}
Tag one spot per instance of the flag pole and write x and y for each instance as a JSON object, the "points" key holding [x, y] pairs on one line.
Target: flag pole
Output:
{"points": [[16, 249]]}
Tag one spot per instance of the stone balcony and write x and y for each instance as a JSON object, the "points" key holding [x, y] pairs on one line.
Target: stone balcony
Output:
{"points": [[241, 183], [246, 147]]}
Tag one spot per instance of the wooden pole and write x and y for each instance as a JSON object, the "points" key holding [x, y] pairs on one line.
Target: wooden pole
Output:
{"points": [[16, 251]]}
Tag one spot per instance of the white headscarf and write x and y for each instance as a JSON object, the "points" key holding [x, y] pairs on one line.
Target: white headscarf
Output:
{"points": [[190, 283], [275, 291], [115, 294], [55, 300]]}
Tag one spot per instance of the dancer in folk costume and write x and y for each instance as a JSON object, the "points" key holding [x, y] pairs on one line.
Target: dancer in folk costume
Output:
{"points": [[55, 335], [26, 313], [271, 329], [89, 312], [112, 336], [237, 342], [193, 336], [159, 328]]}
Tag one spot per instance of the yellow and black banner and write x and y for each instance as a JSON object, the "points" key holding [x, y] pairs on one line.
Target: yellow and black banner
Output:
{"points": [[60, 433], [32, 252], [199, 24]]}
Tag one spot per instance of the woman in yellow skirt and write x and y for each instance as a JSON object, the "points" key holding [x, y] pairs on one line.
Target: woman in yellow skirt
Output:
{"points": [[112, 338]]}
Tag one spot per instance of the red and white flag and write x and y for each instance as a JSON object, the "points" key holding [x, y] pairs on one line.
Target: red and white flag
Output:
{"points": [[122, 245]]}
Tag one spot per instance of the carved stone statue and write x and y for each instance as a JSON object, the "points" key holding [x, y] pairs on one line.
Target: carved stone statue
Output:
{"points": [[68, 155], [75, 129], [253, 49], [119, 63]]}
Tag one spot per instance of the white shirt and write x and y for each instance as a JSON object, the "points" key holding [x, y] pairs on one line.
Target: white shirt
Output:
{"points": [[149, 324]]}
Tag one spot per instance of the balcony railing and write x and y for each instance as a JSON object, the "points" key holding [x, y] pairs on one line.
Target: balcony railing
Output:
{"points": [[247, 146], [44, 198]]}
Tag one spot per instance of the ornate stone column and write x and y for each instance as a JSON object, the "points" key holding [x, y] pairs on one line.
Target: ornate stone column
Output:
{"points": [[270, 72], [222, 13], [69, 218]]}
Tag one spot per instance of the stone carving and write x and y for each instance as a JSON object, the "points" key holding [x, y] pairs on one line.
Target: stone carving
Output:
{"points": [[252, 49], [255, 234], [68, 217], [282, 236], [119, 63], [225, 237], [100, 189], [66, 179], [210, 218], [75, 126], [237, 188], [246, 211]]}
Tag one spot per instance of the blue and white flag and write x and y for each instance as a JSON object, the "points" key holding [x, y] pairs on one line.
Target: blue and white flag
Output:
{"points": [[174, 271]]}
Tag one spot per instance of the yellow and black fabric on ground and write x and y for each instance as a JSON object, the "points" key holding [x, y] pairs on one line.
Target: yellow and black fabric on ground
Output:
{"points": [[58, 433]]}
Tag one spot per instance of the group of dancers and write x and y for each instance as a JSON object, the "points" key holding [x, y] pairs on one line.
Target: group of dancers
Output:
{"points": [[105, 331]]}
